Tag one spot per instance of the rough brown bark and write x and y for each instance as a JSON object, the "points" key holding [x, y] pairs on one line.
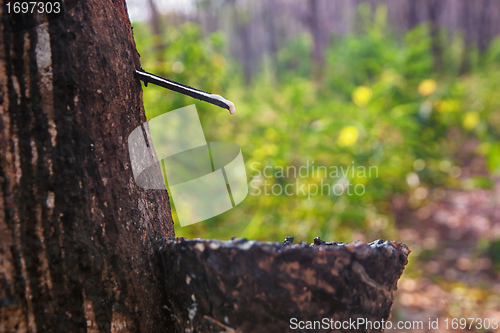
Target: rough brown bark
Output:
{"points": [[75, 231], [248, 286]]}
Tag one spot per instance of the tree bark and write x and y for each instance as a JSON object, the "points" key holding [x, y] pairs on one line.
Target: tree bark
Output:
{"points": [[247, 286], [76, 233]]}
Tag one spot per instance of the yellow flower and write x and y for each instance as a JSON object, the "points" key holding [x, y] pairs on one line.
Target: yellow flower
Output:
{"points": [[448, 105], [270, 150], [470, 120], [362, 95], [348, 136], [427, 87]]}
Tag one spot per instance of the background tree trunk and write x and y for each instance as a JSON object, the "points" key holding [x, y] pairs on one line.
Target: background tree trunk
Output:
{"points": [[314, 23], [154, 18], [76, 233], [434, 11]]}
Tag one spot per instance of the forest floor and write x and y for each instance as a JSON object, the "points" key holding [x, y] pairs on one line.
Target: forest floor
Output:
{"points": [[455, 273]]}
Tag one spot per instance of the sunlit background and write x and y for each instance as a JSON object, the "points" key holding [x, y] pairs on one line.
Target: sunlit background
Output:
{"points": [[412, 90]]}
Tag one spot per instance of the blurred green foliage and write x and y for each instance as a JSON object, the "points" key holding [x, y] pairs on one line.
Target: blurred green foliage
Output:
{"points": [[377, 101]]}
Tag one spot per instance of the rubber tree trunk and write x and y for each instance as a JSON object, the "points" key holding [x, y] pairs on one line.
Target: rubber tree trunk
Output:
{"points": [[76, 233]]}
